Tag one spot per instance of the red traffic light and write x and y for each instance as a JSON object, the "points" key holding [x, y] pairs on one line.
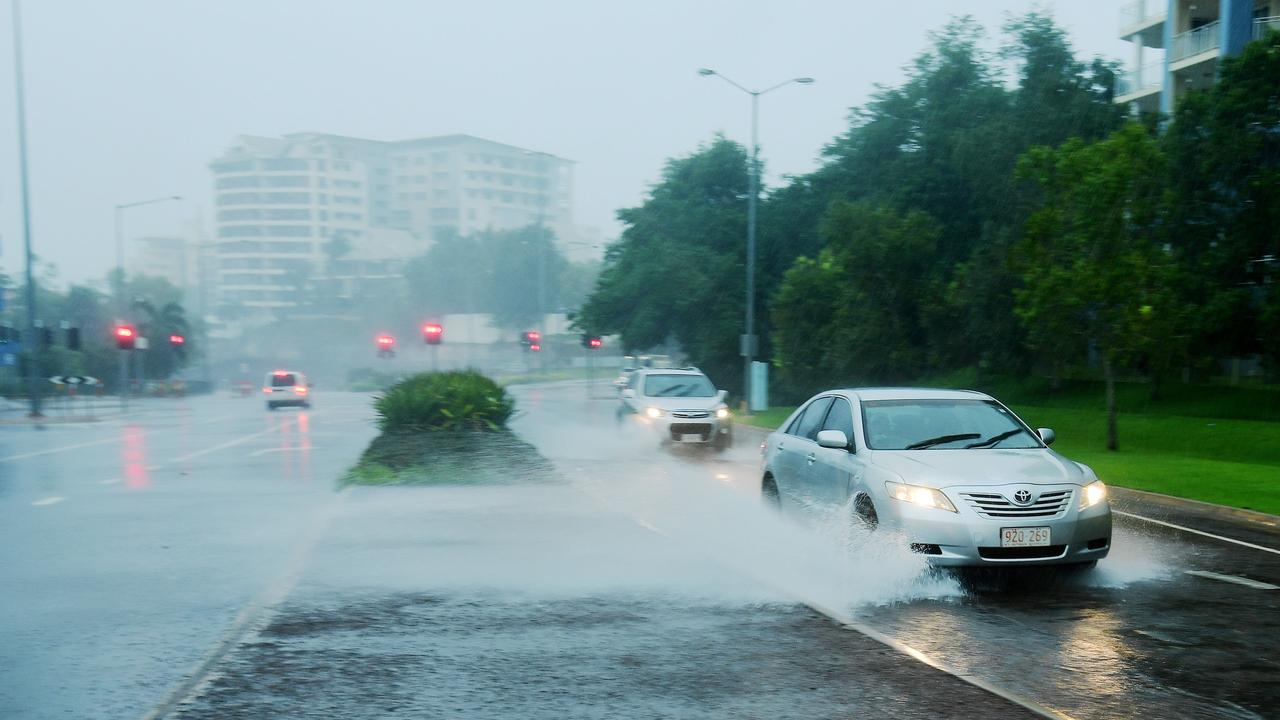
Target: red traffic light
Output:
{"points": [[533, 336], [594, 343], [126, 337], [386, 342], [432, 333], [177, 340], [535, 347]]}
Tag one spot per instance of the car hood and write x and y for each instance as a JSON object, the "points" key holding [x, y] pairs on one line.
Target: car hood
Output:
{"points": [[948, 468], [681, 403]]}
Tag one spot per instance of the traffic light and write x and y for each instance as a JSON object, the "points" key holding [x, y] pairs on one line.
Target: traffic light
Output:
{"points": [[386, 346], [591, 342], [178, 343], [531, 340], [126, 337], [73, 339], [433, 333]]}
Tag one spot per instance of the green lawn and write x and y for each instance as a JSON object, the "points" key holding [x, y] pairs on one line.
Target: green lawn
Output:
{"points": [[1227, 461]]}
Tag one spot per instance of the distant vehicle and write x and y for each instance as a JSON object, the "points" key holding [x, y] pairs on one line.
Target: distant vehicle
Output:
{"points": [[286, 387], [631, 363], [682, 404], [962, 478]]}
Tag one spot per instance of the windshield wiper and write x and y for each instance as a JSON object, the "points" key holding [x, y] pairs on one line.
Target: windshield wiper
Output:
{"points": [[994, 439], [940, 440], [673, 391]]}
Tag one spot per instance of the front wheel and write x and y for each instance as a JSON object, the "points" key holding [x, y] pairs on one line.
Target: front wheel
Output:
{"points": [[722, 441], [769, 493], [865, 510]]}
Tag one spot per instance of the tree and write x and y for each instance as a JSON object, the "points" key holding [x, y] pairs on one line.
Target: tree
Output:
{"points": [[677, 270], [1093, 271]]}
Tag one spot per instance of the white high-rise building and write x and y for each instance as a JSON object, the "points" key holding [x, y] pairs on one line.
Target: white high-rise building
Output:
{"points": [[312, 205]]}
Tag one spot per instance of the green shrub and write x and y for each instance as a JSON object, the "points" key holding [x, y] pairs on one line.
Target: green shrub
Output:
{"points": [[456, 400]]}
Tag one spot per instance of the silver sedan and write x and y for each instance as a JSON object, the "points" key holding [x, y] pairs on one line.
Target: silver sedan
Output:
{"points": [[960, 477]]}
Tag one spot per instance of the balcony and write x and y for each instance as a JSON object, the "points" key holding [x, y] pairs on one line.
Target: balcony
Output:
{"points": [[1262, 25], [1195, 42], [1143, 19], [1139, 82]]}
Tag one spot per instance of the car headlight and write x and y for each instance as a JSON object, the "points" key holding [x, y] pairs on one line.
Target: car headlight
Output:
{"points": [[722, 413], [653, 412], [922, 496], [1094, 493]]}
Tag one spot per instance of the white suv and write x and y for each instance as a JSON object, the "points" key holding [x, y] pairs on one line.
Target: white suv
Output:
{"points": [[682, 404], [285, 387]]}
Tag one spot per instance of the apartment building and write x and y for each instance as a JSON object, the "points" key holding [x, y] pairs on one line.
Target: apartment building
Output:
{"points": [[329, 208], [1177, 43]]}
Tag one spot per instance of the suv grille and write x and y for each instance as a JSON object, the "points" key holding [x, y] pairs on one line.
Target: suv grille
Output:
{"points": [[678, 429], [690, 414], [1051, 503]]}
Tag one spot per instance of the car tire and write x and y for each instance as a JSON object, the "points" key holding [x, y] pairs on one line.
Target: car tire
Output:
{"points": [[722, 441], [865, 511], [769, 493]]}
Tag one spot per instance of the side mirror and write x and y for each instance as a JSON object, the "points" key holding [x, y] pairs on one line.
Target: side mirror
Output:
{"points": [[1047, 435], [721, 395], [628, 393], [833, 439]]}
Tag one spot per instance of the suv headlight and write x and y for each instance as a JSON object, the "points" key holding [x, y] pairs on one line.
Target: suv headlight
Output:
{"points": [[917, 495], [722, 412], [1093, 493], [653, 412]]}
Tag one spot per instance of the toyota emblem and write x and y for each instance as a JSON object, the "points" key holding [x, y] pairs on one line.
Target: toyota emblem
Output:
{"points": [[1022, 497]]}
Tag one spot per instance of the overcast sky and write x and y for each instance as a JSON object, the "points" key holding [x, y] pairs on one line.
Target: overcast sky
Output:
{"points": [[130, 99]]}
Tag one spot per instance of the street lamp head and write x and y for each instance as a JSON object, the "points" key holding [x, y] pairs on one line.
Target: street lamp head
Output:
{"points": [[804, 80], [704, 72]]}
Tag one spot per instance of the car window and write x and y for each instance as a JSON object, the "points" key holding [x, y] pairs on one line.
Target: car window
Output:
{"points": [[285, 380], [794, 427], [678, 386], [840, 417], [943, 425], [813, 417]]}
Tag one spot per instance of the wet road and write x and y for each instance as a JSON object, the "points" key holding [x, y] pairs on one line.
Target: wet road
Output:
{"points": [[647, 584]]}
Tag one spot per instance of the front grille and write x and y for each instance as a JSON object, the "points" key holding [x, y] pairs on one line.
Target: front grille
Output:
{"points": [[690, 414], [690, 429], [1022, 553], [1051, 503]]}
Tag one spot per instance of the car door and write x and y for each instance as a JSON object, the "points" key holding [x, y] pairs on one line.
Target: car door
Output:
{"points": [[835, 470], [801, 450]]}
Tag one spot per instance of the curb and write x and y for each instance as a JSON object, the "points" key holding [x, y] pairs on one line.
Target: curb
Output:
{"points": [[1196, 507]]}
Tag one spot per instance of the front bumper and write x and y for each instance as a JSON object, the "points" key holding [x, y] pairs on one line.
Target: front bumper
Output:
{"points": [[691, 429], [966, 538]]}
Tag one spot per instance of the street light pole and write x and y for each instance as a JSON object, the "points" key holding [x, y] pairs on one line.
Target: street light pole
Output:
{"points": [[121, 303], [748, 342], [32, 345]]}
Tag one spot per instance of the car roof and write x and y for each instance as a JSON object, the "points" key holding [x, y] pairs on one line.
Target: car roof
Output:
{"points": [[912, 393], [669, 371]]}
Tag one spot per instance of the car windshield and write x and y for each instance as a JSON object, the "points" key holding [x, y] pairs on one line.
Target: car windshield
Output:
{"points": [[282, 380], [678, 386], [943, 424]]}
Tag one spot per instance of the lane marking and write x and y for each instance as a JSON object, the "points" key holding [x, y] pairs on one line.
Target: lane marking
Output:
{"points": [[264, 451], [1255, 584], [109, 481], [253, 617], [1198, 532], [233, 443], [48, 501], [104, 441]]}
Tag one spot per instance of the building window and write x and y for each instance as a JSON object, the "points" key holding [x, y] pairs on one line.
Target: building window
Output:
{"points": [[283, 164]]}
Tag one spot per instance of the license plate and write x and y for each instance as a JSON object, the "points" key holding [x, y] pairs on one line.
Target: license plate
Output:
{"points": [[1024, 537], [690, 438]]}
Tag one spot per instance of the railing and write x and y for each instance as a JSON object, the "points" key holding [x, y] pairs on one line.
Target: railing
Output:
{"points": [[1194, 42], [1144, 78], [1137, 11], [1262, 25]]}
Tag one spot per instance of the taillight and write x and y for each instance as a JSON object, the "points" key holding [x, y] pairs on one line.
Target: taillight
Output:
{"points": [[300, 389], [266, 390]]}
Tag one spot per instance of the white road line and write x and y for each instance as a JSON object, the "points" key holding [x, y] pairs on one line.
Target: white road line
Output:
{"points": [[48, 501], [109, 481], [1198, 532], [64, 448], [264, 451], [233, 443], [1255, 584]]}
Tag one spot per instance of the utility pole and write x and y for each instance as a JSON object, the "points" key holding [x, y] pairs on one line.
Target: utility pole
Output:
{"points": [[32, 346]]}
